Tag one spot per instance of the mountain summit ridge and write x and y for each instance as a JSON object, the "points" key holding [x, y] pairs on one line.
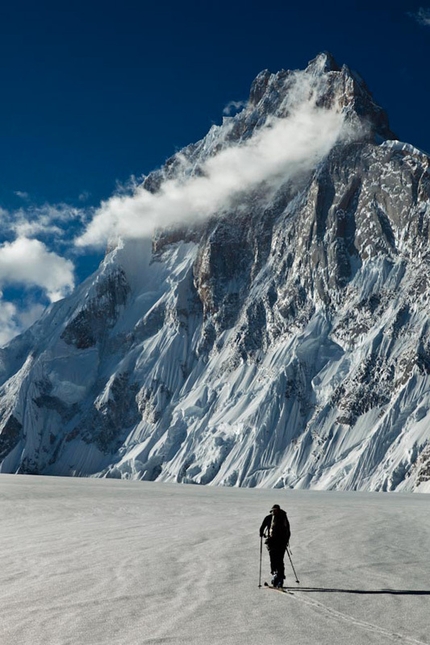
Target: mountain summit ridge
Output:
{"points": [[281, 340], [341, 84]]}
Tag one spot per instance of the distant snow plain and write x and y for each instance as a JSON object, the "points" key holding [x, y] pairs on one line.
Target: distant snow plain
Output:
{"points": [[115, 562]]}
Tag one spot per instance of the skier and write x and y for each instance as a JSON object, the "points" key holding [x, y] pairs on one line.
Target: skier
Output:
{"points": [[276, 529]]}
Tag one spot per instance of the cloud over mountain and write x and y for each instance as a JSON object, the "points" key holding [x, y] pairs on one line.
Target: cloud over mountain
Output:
{"points": [[37, 254], [282, 149], [28, 262]]}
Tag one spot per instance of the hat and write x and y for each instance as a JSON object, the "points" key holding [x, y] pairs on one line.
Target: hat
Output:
{"points": [[275, 506]]}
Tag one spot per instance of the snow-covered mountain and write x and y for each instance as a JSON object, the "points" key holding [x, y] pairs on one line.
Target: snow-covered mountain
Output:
{"points": [[283, 340]]}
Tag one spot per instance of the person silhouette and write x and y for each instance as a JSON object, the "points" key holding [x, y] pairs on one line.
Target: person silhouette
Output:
{"points": [[276, 529]]}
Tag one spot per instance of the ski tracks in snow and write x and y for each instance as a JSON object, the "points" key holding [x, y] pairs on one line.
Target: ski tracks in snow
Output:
{"points": [[329, 612]]}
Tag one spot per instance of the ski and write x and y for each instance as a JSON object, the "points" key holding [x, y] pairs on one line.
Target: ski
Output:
{"points": [[280, 589]]}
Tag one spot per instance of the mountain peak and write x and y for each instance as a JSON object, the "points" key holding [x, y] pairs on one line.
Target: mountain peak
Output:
{"points": [[283, 343], [332, 85], [323, 63]]}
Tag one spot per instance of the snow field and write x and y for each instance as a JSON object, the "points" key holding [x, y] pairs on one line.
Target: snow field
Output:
{"points": [[115, 562]]}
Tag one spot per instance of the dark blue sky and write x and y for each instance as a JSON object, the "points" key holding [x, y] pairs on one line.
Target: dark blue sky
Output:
{"points": [[93, 92]]}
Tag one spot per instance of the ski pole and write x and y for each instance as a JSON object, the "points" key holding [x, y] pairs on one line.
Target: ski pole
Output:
{"points": [[292, 565], [261, 558]]}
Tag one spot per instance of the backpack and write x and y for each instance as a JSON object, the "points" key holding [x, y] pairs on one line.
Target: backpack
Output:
{"points": [[279, 528]]}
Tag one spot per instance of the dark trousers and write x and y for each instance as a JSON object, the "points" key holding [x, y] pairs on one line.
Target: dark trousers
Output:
{"points": [[276, 553]]}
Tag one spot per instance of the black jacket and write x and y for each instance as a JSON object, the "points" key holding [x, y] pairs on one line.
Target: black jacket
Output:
{"points": [[277, 527]]}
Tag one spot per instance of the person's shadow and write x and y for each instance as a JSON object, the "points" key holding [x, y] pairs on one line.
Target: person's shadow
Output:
{"points": [[395, 592]]}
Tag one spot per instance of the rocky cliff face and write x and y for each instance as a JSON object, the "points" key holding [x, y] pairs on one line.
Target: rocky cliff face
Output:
{"points": [[284, 342]]}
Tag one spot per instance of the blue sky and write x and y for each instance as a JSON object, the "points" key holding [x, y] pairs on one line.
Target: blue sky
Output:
{"points": [[94, 93]]}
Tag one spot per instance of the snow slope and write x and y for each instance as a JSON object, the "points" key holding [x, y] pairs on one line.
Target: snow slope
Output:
{"points": [[278, 338], [106, 562]]}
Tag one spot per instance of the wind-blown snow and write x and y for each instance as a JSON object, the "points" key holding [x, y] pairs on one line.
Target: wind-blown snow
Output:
{"points": [[105, 562], [282, 149]]}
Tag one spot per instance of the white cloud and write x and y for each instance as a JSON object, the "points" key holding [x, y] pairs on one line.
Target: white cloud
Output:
{"points": [[46, 221], [23, 227], [8, 324], [234, 106], [35, 269], [280, 150], [28, 262], [22, 195], [14, 321], [27, 315], [422, 16]]}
